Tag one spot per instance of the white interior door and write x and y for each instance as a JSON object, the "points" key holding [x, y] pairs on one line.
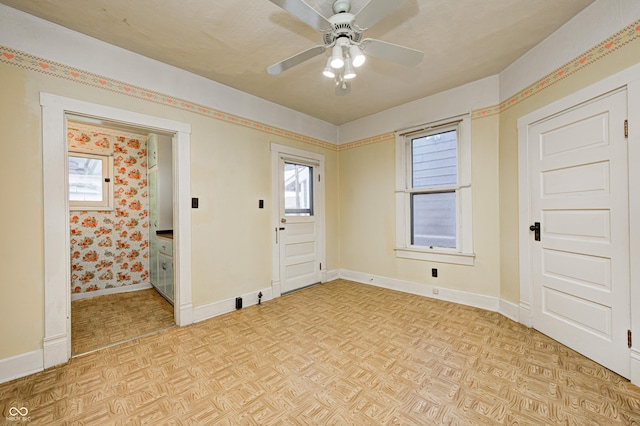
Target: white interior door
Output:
{"points": [[299, 224], [579, 196]]}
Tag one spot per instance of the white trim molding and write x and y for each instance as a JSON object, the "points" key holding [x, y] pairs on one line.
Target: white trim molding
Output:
{"points": [[211, 310], [114, 290], [57, 297], [21, 365], [481, 301]]}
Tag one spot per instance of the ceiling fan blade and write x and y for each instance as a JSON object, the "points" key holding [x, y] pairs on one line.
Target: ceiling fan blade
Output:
{"points": [[343, 88], [304, 12], [391, 52], [295, 60], [374, 11]]}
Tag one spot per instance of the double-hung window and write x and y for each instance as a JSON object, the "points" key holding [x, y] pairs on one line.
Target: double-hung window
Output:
{"points": [[433, 192]]}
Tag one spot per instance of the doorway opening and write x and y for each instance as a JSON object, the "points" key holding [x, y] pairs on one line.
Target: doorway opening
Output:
{"points": [[57, 300], [121, 207]]}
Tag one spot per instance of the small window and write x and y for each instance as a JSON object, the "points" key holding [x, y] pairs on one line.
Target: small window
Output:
{"points": [[90, 181], [298, 190]]}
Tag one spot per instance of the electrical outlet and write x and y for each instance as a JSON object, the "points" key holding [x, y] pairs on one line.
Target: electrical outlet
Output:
{"points": [[434, 272], [194, 203]]}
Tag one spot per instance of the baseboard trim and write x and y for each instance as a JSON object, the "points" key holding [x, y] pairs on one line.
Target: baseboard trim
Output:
{"points": [[21, 365], [635, 366], [55, 350], [488, 303], [510, 310], [211, 310], [106, 291], [331, 275], [525, 314]]}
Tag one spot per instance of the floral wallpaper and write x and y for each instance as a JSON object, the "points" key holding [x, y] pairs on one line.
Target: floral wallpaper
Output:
{"points": [[111, 248]]}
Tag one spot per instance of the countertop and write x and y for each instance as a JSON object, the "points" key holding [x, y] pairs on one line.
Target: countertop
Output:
{"points": [[165, 234]]}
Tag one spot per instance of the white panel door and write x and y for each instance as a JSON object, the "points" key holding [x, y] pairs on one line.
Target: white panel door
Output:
{"points": [[579, 197], [298, 227]]}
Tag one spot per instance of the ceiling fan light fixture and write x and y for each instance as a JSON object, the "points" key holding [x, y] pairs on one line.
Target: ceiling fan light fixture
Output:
{"points": [[349, 71], [328, 70], [336, 60], [357, 56]]}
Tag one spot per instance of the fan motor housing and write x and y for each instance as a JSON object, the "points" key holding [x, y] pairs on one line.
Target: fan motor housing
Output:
{"points": [[341, 26]]}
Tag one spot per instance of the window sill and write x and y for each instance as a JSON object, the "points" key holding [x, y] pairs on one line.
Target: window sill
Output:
{"points": [[436, 256], [91, 209]]}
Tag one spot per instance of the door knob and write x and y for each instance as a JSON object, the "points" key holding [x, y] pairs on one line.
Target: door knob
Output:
{"points": [[283, 220], [536, 229]]}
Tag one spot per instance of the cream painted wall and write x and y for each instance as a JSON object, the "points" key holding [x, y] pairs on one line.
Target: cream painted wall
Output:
{"points": [[21, 245], [367, 214], [616, 61], [230, 171]]}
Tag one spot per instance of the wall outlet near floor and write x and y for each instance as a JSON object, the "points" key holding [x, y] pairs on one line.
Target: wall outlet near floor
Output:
{"points": [[434, 272], [238, 302]]}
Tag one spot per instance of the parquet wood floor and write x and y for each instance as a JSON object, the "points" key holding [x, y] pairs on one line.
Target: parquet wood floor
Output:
{"points": [[104, 320], [340, 353]]}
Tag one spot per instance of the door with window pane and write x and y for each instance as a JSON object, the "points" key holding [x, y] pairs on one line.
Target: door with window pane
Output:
{"points": [[298, 227]]}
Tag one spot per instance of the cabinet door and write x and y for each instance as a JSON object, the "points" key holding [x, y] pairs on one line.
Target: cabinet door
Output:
{"points": [[169, 280], [153, 260], [166, 275]]}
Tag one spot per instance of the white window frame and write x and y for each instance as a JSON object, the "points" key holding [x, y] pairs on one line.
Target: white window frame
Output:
{"points": [[107, 183], [463, 253]]}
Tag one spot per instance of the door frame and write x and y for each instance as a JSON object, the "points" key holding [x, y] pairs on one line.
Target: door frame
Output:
{"points": [[319, 210], [624, 79], [57, 295]]}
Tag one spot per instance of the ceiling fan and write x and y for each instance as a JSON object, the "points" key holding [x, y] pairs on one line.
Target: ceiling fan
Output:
{"points": [[342, 33]]}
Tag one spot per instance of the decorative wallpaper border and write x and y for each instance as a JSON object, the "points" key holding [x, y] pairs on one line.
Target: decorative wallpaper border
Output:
{"points": [[9, 56], [34, 63], [623, 37], [367, 141]]}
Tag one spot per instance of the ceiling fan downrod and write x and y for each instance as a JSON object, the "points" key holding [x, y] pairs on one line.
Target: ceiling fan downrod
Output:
{"points": [[341, 6]]}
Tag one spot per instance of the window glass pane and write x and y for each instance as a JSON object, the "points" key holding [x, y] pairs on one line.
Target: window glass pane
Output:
{"points": [[298, 190], [434, 219], [85, 179], [434, 160]]}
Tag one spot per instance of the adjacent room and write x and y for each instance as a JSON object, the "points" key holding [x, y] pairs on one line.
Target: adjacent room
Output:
{"points": [[320, 212], [121, 232]]}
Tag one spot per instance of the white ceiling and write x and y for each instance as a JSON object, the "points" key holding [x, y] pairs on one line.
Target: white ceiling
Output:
{"points": [[233, 43]]}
